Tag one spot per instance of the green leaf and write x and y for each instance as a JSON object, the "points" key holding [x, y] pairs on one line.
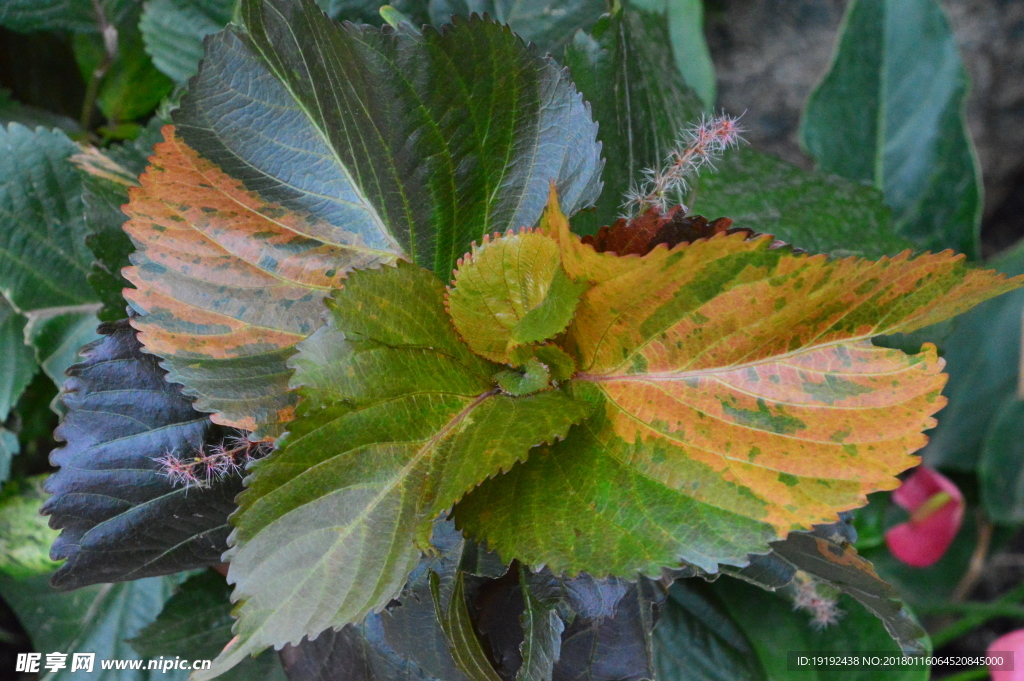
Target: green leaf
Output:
{"points": [[43, 257], [404, 641], [697, 640], [399, 420], [628, 74], [999, 470], [542, 634], [709, 437], [686, 29], [509, 292], [982, 356], [56, 334], [826, 555], [106, 177], [25, 537], [17, 362], [96, 619], [515, 139], [368, 11], [408, 157], [453, 615], [32, 117], [812, 210], [196, 621], [80, 16], [534, 378], [549, 24], [774, 629], [130, 86], [173, 31], [890, 112], [121, 517], [9, 448]]}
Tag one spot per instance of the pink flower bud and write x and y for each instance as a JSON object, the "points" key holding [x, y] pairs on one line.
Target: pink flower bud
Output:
{"points": [[1012, 643], [936, 509]]}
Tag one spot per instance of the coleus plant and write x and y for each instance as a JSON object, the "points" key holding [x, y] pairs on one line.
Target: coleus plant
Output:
{"points": [[353, 244]]}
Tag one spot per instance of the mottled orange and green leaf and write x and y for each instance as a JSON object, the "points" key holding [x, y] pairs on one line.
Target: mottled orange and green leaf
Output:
{"points": [[228, 283], [741, 396]]}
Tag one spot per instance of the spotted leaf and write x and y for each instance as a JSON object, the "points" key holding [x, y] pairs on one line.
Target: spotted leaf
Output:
{"points": [[738, 398], [399, 420], [229, 283], [306, 148]]}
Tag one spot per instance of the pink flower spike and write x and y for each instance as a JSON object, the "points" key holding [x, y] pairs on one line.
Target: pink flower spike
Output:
{"points": [[936, 508], [1011, 644]]}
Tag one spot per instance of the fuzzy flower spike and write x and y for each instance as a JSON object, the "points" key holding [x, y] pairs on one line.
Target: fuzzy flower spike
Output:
{"points": [[700, 145], [211, 463]]}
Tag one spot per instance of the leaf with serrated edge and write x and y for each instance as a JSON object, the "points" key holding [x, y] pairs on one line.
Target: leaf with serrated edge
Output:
{"points": [[121, 518], [740, 399], [511, 291], [229, 283], [399, 420], [826, 555], [378, 141], [43, 257]]}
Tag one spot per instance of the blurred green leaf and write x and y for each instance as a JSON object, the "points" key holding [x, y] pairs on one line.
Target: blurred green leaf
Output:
{"points": [[197, 621], [981, 356], [627, 73], [550, 24], [57, 334], [1000, 470], [80, 16], [9, 448], [31, 117], [368, 11], [95, 619], [814, 211], [697, 640], [686, 30], [25, 537], [931, 586], [131, 86], [890, 112], [106, 177], [825, 554], [173, 31], [774, 628], [17, 361], [43, 256]]}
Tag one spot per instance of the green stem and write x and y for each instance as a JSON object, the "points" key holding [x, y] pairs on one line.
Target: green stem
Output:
{"points": [[975, 619], [968, 675]]}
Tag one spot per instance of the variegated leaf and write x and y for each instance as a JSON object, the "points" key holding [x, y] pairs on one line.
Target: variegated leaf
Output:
{"points": [[740, 399], [314, 148]]}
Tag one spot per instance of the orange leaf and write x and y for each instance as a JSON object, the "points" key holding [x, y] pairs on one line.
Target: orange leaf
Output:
{"points": [[740, 387], [228, 283]]}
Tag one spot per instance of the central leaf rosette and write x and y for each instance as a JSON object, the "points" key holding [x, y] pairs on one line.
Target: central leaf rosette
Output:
{"points": [[586, 411]]}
